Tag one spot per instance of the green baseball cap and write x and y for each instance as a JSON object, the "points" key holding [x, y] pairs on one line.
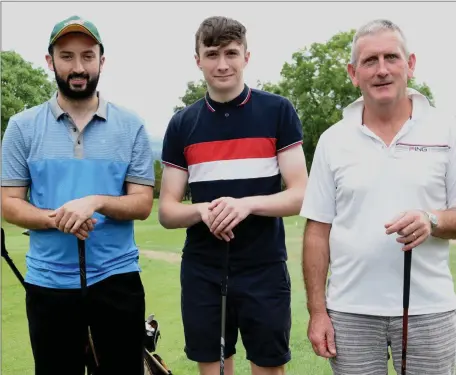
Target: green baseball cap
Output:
{"points": [[75, 24]]}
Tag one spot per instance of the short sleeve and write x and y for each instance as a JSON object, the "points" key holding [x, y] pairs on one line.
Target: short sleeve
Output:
{"points": [[320, 197], [173, 146], [141, 168], [450, 180], [15, 171], [290, 129]]}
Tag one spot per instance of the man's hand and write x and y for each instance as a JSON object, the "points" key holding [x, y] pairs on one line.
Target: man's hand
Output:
{"points": [[413, 227], [86, 227], [227, 213], [321, 335], [207, 217], [70, 216]]}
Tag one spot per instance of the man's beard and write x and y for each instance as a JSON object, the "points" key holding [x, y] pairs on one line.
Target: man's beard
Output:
{"points": [[66, 90]]}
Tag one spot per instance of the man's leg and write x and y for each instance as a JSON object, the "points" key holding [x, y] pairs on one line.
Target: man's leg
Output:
{"points": [[117, 318], [58, 332], [361, 344], [201, 316], [263, 296], [431, 345]]}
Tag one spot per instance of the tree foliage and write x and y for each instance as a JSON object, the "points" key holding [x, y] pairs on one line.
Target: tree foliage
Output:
{"points": [[158, 177], [194, 92], [23, 86]]}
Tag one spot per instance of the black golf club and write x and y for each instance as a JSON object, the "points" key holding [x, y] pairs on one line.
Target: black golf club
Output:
{"points": [[10, 261], [406, 301], [82, 267], [224, 294], [92, 361]]}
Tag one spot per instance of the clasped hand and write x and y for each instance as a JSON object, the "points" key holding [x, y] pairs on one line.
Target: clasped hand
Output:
{"points": [[223, 214], [413, 228], [75, 217]]}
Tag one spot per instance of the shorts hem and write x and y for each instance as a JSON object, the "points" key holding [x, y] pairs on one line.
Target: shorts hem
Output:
{"points": [[207, 357], [271, 362], [417, 310]]}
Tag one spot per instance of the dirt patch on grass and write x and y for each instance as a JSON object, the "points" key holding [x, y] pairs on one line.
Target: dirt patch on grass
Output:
{"points": [[162, 255]]}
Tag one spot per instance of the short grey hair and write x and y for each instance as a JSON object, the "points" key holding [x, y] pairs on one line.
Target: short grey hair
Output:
{"points": [[375, 27]]}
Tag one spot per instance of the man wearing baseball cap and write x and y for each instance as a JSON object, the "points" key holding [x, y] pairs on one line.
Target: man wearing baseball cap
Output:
{"points": [[75, 24], [88, 168]]}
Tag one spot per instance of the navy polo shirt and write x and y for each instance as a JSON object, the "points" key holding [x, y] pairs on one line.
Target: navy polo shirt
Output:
{"points": [[230, 149]]}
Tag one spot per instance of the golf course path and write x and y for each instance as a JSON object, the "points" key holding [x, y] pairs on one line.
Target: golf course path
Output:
{"points": [[176, 258], [162, 255]]}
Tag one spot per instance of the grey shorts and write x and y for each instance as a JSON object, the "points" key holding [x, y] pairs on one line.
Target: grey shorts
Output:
{"points": [[362, 344]]}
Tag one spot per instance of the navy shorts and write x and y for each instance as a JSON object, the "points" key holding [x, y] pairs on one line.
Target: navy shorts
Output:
{"points": [[258, 306]]}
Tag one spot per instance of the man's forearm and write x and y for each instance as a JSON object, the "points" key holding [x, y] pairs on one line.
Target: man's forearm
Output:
{"points": [[315, 264], [25, 215], [126, 207], [283, 204], [446, 228], [173, 215]]}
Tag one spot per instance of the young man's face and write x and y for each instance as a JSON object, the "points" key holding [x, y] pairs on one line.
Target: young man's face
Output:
{"points": [[382, 68], [77, 64], [223, 67]]}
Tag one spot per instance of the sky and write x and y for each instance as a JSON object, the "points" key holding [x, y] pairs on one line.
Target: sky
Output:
{"points": [[149, 47]]}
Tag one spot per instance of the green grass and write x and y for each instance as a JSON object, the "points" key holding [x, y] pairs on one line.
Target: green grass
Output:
{"points": [[161, 281]]}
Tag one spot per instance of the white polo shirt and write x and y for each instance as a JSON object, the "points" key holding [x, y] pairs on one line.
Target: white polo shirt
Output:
{"points": [[357, 183]]}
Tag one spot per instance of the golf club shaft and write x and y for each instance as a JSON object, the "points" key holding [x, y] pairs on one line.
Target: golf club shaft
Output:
{"points": [[224, 294], [222, 339], [83, 277], [10, 261], [406, 301]]}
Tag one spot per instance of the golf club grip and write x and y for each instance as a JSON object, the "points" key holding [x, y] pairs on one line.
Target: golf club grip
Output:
{"points": [[82, 266], [405, 303], [407, 269], [225, 271]]}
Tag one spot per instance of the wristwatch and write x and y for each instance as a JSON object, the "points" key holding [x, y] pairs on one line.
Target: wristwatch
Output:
{"points": [[432, 219]]}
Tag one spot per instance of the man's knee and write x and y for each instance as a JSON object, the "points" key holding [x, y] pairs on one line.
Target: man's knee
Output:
{"points": [[213, 368], [258, 370]]}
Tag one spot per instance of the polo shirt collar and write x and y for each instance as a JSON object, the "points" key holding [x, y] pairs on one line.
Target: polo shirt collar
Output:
{"points": [[57, 111], [240, 100], [354, 111]]}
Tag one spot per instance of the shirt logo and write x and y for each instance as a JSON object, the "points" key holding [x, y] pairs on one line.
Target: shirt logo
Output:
{"points": [[422, 148]]}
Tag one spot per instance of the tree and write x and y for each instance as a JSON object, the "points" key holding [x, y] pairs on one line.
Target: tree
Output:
{"points": [[318, 85], [194, 92], [23, 86], [158, 177]]}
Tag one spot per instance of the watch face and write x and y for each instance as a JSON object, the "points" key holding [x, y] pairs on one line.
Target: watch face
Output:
{"points": [[433, 220]]}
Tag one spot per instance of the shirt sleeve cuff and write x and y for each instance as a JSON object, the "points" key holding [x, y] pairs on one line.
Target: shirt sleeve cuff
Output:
{"points": [[15, 183], [289, 146], [140, 181], [174, 165], [322, 218]]}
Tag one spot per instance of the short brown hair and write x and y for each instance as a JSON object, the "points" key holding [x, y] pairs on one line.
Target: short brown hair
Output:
{"points": [[220, 31]]}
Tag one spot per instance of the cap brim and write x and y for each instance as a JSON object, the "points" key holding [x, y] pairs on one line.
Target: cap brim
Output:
{"points": [[74, 28]]}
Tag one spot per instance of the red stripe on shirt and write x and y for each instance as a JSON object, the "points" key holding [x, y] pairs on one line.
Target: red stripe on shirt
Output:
{"points": [[245, 148]]}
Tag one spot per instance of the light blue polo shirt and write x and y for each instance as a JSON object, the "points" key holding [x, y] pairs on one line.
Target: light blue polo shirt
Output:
{"points": [[44, 150]]}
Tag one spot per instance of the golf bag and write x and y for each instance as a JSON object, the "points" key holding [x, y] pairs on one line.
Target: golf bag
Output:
{"points": [[153, 363]]}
